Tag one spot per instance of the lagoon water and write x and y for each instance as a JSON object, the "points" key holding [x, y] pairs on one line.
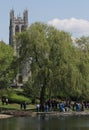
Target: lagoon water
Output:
{"points": [[45, 123]]}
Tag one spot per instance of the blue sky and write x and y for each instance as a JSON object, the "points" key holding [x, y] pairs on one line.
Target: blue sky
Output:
{"points": [[67, 15]]}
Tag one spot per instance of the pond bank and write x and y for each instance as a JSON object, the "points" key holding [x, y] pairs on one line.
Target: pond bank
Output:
{"points": [[10, 113]]}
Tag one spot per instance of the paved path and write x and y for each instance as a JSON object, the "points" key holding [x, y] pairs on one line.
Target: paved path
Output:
{"points": [[4, 116]]}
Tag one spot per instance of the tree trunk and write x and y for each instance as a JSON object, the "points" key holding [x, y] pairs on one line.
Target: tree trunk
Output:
{"points": [[42, 95]]}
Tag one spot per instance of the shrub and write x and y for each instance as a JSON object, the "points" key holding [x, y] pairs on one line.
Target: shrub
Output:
{"points": [[18, 99]]}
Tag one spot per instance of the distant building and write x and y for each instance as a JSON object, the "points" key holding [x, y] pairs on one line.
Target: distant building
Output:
{"points": [[17, 25]]}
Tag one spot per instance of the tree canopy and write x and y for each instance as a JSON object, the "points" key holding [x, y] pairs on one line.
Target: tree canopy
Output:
{"points": [[57, 67], [6, 67]]}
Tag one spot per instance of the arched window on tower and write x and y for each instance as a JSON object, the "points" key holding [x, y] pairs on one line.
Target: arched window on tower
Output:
{"points": [[20, 79], [16, 29], [22, 28]]}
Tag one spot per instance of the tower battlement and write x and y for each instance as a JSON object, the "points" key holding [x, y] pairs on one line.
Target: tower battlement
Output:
{"points": [[17, 25]]}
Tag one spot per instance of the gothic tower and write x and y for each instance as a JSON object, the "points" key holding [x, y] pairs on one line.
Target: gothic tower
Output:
{"points": [[17, 25]]}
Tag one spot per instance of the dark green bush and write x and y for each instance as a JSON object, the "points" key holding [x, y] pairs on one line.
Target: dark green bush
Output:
{"points": [[18, 99]]}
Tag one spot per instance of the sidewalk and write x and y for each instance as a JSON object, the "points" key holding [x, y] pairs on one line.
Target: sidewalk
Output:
{"points": [[5, 116]]}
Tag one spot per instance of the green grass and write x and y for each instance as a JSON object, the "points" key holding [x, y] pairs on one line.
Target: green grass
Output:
{"points": [[10, 106], [15, 106]]}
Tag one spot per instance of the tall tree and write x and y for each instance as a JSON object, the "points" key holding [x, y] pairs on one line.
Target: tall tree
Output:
{"points": [[45, 48], [6, 71], [56, 66]]}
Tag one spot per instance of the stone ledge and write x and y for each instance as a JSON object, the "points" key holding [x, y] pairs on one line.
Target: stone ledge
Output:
{"points": [[10, 113]]}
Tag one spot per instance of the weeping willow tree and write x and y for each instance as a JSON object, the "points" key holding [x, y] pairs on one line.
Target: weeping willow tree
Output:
{"points": [[57, 68]]}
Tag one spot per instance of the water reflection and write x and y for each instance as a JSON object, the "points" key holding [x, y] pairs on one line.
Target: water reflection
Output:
{"points": [[45, 122]]}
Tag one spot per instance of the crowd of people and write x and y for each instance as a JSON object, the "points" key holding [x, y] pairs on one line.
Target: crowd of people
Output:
{"points": [[62, 106]]}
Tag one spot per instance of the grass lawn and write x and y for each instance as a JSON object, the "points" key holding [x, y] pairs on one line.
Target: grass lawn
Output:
{"points": [[15, 106]]}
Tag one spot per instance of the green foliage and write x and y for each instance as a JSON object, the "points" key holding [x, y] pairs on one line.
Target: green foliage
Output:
{"points": [[14, 96], [6, 60], [57, 67], [18, 99]]}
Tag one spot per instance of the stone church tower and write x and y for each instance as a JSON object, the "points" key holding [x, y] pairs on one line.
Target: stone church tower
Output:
{"points": [[17, 25]]}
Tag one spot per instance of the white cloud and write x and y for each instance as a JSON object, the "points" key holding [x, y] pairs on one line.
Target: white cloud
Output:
{"points": [[76, 27]]}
